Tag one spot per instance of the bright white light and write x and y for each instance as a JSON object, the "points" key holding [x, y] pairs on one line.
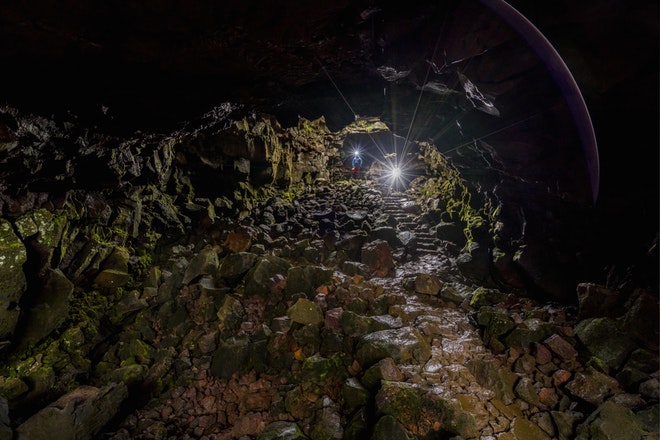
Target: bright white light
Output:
{"points": [[396, 172], [356, 153]]}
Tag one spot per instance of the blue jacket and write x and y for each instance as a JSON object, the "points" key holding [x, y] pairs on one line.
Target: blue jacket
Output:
{"points": [[357, 160]]}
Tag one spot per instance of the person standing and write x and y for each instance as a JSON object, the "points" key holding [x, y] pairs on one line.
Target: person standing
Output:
{"points": [[356, 166]]}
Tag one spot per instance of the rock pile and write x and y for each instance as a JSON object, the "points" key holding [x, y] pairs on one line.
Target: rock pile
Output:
{"points": [[339, 310]]}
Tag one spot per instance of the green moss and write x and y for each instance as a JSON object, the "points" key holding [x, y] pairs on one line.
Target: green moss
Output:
{"points": [[87, 306], [450, 188]]}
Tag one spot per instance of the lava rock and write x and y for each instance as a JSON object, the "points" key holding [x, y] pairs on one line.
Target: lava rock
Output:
{"points": [[593, 386], [604, 339], [79, 414], [427, 284], [12, 279], [378, 256], [611, 421], [403, 345], [236, 265], [305, 312], [281, 431]]}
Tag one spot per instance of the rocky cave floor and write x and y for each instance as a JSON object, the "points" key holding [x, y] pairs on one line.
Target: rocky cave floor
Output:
{"points": [[342, 314]]}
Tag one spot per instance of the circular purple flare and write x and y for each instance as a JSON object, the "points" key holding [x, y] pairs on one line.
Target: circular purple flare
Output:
{"points": [[565, 81]]}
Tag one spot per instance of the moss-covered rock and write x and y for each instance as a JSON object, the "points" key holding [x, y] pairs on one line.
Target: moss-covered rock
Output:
{"points": [[611, 421], [604, 339], [51, 308], [12, 279], [305, 312], [281, 430], [423, 412], [404, 345]]}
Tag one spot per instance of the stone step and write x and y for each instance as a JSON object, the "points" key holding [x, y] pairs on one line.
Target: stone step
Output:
{"points": [[427, 245]]}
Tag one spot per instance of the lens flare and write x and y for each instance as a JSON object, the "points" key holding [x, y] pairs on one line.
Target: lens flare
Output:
{"points": [[396, 173]]}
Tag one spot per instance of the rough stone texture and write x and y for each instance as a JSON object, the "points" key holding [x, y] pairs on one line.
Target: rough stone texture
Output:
{"points": [[305, 312], [236, 265], [12, 278], [597, 301], [388, 428], [593, 386], [561, 347], [603, 338], [281, 431], [488, 373], [263, 276], [422, 412], [377, 255], [78, 415], [523, 429], [204, 263], [51, 309], [611, 421], [427, 284], [403, 345], [230, 357]]}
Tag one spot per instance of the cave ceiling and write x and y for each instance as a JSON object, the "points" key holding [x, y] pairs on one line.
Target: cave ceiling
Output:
{"points": [[456, 73]]}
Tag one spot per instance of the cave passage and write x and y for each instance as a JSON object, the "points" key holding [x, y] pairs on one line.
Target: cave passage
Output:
{"points": [[187, 253]]}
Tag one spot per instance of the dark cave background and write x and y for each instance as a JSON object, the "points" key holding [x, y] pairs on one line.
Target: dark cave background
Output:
{"points": [[123, 66]]}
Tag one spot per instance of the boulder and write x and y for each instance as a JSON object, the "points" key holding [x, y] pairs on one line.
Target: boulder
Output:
{"points": [[449, 231], [422, 411], [230, 357], [529, 331], [357, 427], [230, 314], [327, 425], [495, 321], [611, 421], [524, 429], [42, 231], [78, 415], [641, 321], [597, 301], [204, 263], [385, 369], [109, 280], [388, 428], [404, 345], [603, 338], [378, 256], [490, 374], [387, 233], [234, 266], [474, 263], [565, 422], [51, 309], [266, 275], [12, 279], [483, 296], [427, 284], [281, 431], [354, 395], [305, 279], [305, 312], [592, 386], [560, 347]]}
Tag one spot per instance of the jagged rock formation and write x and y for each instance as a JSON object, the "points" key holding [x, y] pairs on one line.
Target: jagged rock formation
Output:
{"points": [[226, 280], [170, 275]]}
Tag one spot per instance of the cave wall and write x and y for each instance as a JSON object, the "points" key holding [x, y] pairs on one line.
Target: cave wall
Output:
{"points": [[82, 212]]}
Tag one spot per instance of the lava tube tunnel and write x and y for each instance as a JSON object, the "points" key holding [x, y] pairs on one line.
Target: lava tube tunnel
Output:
{"points": [[329, 220]]}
